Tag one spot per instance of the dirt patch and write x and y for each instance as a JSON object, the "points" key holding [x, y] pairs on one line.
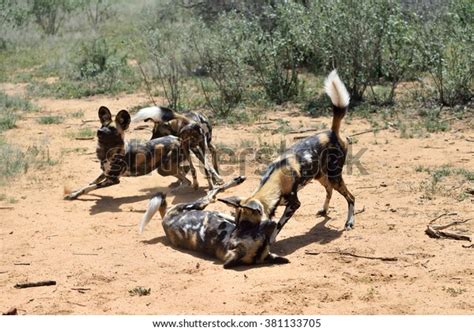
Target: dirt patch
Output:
{"points": [[93, 243]]}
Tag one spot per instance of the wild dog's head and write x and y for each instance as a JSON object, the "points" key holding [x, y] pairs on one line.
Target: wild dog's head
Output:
{"points": [[111, 133], [248, 212], [250, 244]]}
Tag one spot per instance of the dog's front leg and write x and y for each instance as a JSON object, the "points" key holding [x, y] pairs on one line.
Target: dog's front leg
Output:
{"points": [[92, 187]]}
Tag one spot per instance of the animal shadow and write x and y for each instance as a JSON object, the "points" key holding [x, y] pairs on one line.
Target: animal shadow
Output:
{"points": [[320, 233]]}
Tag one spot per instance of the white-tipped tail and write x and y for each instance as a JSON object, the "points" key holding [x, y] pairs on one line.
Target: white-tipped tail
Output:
{"points": [[153, 207], [154, 113], [336, 90]]}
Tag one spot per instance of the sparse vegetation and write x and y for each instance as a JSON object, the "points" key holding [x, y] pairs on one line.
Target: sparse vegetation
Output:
{"points": [[11, 109], [50, 119], [82, 133], [433, 186], [14, 161]]}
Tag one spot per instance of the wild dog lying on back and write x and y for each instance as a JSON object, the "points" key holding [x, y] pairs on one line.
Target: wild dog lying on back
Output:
{"points": [[319, 157], [119, 159], [188, 226], [194, 130]]}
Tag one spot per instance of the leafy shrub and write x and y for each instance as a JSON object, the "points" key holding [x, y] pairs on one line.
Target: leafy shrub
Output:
{"points": [[222, 52], [51, 14], [448, 53], [9, 107], [277, 48], [168, 46]]}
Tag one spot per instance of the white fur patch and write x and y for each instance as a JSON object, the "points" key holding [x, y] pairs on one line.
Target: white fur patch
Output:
{"points": [[152, 112], [153, 206], [307, 157], [336, 90]]}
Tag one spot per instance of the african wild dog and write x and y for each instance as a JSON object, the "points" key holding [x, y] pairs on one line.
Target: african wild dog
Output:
{"points": [[194, 129], [134, 159], [319, 157], [188, 226]]}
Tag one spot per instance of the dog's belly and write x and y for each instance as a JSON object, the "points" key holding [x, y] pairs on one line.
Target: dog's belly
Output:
{"points": [[201, 231]]}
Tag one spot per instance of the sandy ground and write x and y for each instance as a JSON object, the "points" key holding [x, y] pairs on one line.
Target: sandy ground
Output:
{"points": [[93, 242]]}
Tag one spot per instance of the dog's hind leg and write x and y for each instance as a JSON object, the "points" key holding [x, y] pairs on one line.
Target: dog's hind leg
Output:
{"points": [[328, 187], [191, 167], [341, 187], [213, 151]]}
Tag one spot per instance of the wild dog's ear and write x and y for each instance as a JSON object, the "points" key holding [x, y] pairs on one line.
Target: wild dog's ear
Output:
{"points": [[122, 120], [105, 116], [254, 206], [231, 201]]}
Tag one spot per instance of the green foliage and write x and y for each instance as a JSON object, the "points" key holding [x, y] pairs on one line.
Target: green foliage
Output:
{"points": [[47, 120], [51, 14], [14, 161], [10, 106], [222, 54], [447, 50], [168, 47]]}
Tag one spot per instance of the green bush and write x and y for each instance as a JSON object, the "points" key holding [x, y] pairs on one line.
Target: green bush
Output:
{"points": [[279, 44], [447, 50], [222, 54], [10, 108]]}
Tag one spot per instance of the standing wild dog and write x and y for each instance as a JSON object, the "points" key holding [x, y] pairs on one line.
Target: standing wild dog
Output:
{"points": [[120, 159], [194, 129], [189, 226], [319, 157]]}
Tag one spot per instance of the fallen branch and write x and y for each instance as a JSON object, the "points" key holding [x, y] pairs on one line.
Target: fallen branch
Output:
{"points": [[442, 215], [80, 289], [391, 259], [8, 208], [36, 284], [84, 138], [85, 254], [436, 231], [22, 263], [75, 303], [468, 246], [360, 211], [88, 121]]}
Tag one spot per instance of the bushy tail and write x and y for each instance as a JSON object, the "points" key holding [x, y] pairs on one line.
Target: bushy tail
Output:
{"points": [[154, 205], [153, 113], [336, 90]]}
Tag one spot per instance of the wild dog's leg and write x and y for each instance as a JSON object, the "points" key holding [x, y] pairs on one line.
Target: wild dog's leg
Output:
{"points": [[340, 186], [198, 152], [292, 204], [191, 167], [98, 179], [213, 151], [108, 182], [203, 202], [275, 259], [327, 185], [215, 175]]}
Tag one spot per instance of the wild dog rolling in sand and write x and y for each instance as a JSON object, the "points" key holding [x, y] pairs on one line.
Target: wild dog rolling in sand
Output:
{"points": [[194, 129], [120, 159], [319, 157], [188, 226]]}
